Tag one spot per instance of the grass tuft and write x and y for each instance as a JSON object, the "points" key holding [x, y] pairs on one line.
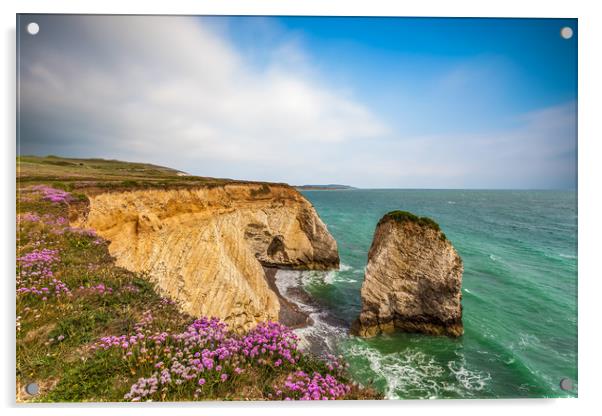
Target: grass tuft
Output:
{"points": [[403, 216]]}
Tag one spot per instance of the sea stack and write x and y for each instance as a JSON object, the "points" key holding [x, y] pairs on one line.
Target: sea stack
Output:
{"points": [[413, 280]]}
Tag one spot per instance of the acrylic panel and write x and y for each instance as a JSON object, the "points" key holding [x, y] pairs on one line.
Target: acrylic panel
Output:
{"points": [[295, 208]]}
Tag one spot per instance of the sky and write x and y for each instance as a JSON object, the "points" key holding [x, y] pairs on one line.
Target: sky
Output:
{"points": [[366, 102]]}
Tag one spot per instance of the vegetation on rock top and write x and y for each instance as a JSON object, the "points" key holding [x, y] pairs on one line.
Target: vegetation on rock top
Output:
{"points": [[406, 216]]}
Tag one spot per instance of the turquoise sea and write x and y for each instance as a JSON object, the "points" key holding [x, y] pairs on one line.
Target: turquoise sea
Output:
{"points": [[519, 294]]}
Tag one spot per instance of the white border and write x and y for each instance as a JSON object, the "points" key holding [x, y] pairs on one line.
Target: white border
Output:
{"points": [[590, 68]]}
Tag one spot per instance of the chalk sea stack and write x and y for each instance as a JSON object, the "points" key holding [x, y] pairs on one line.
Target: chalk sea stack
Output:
{"points": [[413, 280]]}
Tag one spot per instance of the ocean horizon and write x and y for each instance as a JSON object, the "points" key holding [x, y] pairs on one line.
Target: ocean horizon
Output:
{"points": [[355, 188]]}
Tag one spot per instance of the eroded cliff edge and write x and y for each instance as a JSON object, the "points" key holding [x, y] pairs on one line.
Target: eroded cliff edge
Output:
{"points": [[205, 246], [413, 280]]}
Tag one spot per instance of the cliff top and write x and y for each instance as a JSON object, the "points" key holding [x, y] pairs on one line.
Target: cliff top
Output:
{"points": [[406, 216], [105, 175]]}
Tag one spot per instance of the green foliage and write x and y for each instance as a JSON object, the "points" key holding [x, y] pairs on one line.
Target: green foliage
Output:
{"points": [[99, 378], [80, 328], [130, 184], [79, 197], [59, 185], [403, 216]]}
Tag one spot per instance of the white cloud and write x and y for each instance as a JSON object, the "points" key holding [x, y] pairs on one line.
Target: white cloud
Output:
{"points": [[538, 152], [171, 90]]}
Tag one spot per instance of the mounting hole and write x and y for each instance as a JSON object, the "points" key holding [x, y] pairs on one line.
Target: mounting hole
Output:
{"points": [[32, 389], [33, 28], [566, 32], [566, 384]]}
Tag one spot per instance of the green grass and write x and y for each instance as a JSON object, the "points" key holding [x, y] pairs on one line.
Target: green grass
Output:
{"points": [[72, 174], [98, 168], [98, 379], [403, 216]]}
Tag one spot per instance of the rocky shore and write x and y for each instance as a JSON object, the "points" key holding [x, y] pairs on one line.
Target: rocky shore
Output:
{"points": [[290, 314]]}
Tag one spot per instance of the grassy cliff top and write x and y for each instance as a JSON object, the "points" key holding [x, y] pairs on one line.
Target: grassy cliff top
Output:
{"points": [[406, 216], [71, 173]]}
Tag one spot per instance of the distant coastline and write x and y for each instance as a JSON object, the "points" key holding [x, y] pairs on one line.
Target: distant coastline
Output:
{"points": [[328, 187]]}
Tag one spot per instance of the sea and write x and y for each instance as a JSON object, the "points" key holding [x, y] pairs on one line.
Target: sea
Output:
{"points": [[519, 294]]}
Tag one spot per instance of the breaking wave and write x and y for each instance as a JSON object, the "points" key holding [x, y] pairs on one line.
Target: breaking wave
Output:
{"points": [[412, 373], [321, 335]]}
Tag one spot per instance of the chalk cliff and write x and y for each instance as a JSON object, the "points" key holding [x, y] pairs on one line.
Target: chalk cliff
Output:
{"points": [[413, 280], [205, 246]]}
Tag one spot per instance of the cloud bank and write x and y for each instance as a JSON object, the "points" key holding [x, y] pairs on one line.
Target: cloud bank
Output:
{"points": [[538, 152], [172, 91]]}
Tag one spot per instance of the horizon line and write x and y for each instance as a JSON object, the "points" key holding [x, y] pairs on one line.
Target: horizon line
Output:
{"points": [[349, 187], [355, 188]]}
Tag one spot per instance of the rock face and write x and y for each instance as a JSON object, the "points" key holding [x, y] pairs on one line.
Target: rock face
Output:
{"points": [[205, 247], [413, 280]]}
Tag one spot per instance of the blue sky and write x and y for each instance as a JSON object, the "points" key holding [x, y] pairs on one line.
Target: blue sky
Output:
{"points": [[370, 102], [415, 70]]}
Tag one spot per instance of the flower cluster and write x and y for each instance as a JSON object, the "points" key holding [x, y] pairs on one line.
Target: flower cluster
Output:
{"points": [[145, 387], [300, 386], [36, 258], [99, 289], [55, 287], [336, 364], [36, 268], [36, 277], [56, 225], [52, 220], [167, 302], [273, 339], [130, 289], [52, 194], [207, 354], [28, 217], [83, 231]]}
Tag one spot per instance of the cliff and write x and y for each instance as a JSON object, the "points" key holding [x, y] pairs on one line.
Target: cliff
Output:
{"points": [[413, 280], [205, 246]]}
